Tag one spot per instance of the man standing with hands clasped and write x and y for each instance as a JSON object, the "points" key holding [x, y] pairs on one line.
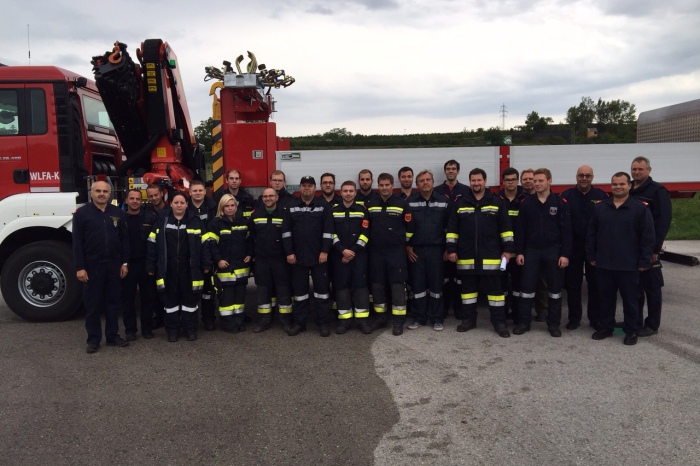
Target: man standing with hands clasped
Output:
{"points": [[101, 255], [619, 245]]}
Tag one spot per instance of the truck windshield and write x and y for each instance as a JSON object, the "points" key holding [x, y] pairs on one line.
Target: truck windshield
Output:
{"points": [[95, 112]]}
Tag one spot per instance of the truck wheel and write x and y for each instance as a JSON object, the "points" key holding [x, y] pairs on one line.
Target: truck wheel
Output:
{"points": [[38, 282]]}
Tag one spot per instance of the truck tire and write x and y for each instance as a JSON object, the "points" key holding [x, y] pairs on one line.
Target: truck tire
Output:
{"points": [[39, 284]]}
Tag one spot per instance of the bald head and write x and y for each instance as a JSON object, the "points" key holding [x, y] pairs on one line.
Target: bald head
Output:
{"points": [[100, 192], [584, 178]]}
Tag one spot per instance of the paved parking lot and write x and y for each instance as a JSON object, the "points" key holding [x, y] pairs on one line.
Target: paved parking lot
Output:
{"points": [[423, 398]]}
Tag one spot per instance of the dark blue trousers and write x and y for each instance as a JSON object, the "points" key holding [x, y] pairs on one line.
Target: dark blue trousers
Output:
{"points": [[102, 292], [627, 283]]}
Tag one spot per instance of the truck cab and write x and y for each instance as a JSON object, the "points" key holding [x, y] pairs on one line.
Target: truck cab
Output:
{"points": [[54, 135]]}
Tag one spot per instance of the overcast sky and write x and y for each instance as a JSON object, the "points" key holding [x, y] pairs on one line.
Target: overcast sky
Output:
{"points": [[392, 66]]}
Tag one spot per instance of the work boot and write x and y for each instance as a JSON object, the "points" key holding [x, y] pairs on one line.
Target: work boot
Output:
{"points": [[286, 322], [365, 326], [296, 329], [263, 324], [343, 326], [466, 325], [502, 330], [397, 329], [324, 330], [380, 321]]}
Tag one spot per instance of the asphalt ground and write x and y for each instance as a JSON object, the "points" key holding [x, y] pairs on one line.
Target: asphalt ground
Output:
{"points": [[434, 398]]}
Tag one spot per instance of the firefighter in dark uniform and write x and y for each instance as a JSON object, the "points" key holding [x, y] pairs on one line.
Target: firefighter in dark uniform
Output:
{"points": [[271, 269], [425, 252], [101, 256], [365, 194], [658, 200], [390, 227], [307, 252], [620, 245], [178, 258], [350, 226], [158, 207], [513, 195], [542, 242], [328, 193], [204, 207], [479, 239], [405, 183], [231, 252], [139, 222], [452, 190], [284, 197], [233, 187], [581, 199]]}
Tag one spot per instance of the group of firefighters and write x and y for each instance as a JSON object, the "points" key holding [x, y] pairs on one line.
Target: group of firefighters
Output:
{"points": [[376, 256]]}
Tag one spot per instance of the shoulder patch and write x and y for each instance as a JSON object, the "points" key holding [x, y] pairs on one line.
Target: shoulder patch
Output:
{"points": [[365, 223], [407, 217]]}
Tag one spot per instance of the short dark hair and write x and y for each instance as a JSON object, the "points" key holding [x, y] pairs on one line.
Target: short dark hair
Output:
{"points": [[348, 183], [451, 162], [197, 183], [405, 169], [385, 176], [510, 171], [135, 190], [365, 170], [477, 171], [155, 186], [328, 174], [619, 174], [179, 193], [231, 171]]}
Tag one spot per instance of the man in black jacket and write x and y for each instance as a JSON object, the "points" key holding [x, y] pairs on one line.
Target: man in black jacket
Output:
{"points": [[542, 242], [619, 245], [581, 199], [204, 207], [657, 199], [101, 257]]}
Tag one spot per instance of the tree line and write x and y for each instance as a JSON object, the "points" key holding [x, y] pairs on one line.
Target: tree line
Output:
{"points": [[589, 122]]}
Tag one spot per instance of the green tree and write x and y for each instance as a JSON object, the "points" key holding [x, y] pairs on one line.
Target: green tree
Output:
{"points": [[615, 112], [534, 123], [579, 118], [494, 136], [202, 134]]}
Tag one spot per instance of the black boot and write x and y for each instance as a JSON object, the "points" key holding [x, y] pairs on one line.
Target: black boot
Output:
{"points": [[380, 321], [264, 323], [286, 322]]}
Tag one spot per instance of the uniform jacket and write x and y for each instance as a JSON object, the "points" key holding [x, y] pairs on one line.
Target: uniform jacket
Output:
{"points": [[230, 241], [429, 218], [479, 232], [140, 226], [350, 227], [309, 232], [206, 211], [164, 240], [514, 205], [658, 200], [390, 222], [581, 210], [266, 232], [453, 193], [284, 201], [543, 225], [99, 237], [363, 199], [620, 238], [336, 200]]}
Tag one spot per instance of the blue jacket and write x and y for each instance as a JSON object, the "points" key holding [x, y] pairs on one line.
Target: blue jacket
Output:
{"points": [[620, 238], [99, 237], [543, 224]]}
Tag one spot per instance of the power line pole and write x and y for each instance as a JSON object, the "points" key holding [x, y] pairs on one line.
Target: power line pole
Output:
{"points": [[504, 112]]}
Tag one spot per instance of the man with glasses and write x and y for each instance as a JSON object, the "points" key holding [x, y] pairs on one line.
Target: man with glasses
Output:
{"points": [[284, 197], [513, 195], [581, 200], [328, 193]]}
